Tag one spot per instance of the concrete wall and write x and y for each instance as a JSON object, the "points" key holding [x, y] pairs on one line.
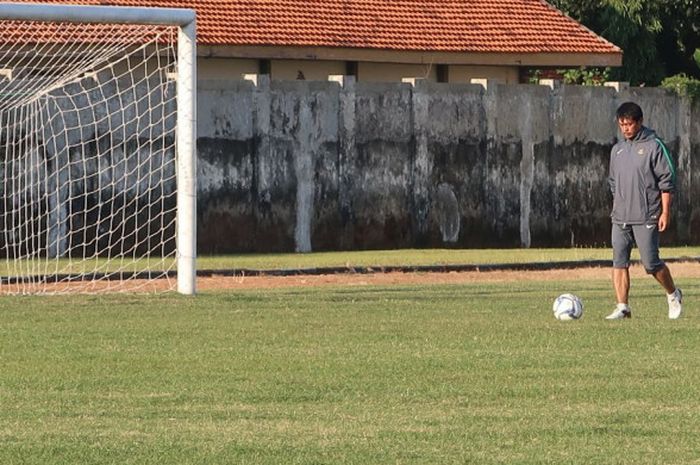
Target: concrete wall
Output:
{"points": [[463, 74], [226, 68], [394, 72], [219, 68], [89, 168], [290, 70], [302, 166]]}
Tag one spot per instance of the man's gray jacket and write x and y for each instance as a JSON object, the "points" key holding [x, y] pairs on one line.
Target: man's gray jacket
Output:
{"points": [[640, 169]]}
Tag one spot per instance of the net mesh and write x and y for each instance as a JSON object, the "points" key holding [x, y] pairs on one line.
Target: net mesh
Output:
{"points": [[87, 157]]}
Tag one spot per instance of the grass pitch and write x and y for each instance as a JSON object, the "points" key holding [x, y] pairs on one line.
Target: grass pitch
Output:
{"points": [[458, 374]]}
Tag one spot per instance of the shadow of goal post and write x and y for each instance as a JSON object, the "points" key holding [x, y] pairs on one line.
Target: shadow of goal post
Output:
{"points": [[185, 20]]}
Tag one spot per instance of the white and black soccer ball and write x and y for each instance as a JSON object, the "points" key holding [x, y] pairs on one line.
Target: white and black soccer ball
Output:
{"points": [[567, 307]]}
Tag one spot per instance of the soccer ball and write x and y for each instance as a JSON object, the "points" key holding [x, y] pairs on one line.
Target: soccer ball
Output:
{"points": [[567, 307]]}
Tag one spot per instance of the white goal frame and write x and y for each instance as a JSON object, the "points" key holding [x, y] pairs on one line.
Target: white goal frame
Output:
{"points": [[185, 20]]}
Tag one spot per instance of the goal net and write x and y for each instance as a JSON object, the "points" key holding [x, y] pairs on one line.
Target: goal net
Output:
{"points": [[94, 178]]}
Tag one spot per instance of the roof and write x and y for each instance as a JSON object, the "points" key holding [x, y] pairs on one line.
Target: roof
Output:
{"points": [[473, 26]]}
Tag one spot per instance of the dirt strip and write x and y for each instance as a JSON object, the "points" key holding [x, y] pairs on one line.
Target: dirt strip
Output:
{"points": [[679, 270], [204, 283]]}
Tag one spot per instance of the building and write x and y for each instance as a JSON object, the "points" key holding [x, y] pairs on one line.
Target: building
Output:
{"points": [[386, 40]]}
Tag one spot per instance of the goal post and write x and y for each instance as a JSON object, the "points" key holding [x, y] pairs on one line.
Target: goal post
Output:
{"points": [[98, 176]]}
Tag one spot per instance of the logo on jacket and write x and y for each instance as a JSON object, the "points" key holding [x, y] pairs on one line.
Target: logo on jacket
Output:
{"points": [[640, 152]]}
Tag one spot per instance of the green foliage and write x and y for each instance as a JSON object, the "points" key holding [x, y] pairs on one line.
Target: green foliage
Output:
{"points": [[586, 76], [658, 37], [534, 76], [581, 76], [680, 36], [683, 85]]}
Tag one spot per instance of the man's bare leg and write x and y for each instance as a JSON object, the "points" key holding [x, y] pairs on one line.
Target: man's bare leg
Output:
{"points": [[663, 276], [621, 282], [674, 295]]}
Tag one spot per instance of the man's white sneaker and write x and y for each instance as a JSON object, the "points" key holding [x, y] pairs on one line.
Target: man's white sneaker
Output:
{"points": [[675, 304], [619, 314]]}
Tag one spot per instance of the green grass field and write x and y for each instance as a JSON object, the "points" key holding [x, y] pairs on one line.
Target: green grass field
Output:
{"points": [[451, 374]]}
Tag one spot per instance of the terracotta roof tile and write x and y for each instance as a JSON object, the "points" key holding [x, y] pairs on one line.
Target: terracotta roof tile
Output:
{"points": [[489, 26]]}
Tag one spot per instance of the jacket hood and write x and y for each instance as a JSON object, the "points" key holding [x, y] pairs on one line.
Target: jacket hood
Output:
{"points": [[644, 134]]}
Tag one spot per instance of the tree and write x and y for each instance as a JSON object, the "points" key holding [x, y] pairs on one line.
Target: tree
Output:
{"points": [[658, 37], [679, 40]]}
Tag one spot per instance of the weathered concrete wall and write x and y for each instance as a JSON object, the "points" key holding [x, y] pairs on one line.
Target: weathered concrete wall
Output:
{"points": [[301, 166], [89, 168]]}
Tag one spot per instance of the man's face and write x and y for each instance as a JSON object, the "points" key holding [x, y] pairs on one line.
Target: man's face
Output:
{"points": [[629, 127]]}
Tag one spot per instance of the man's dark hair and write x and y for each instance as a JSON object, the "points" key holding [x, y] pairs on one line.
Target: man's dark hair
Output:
{"points": [[630, 110]]}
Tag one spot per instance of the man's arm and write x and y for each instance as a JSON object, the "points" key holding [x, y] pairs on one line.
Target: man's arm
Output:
{"points": [[665, 216], [611, 173]]}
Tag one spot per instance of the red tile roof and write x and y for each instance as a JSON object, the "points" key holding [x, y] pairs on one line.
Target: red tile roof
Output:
{"points": [[488, 26]]}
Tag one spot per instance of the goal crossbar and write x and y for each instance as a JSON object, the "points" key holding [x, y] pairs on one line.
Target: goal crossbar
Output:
{"points": [[96, 14], [185, 20]]}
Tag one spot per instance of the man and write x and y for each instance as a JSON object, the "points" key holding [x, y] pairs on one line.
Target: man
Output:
{"points": [[642, 180]]}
